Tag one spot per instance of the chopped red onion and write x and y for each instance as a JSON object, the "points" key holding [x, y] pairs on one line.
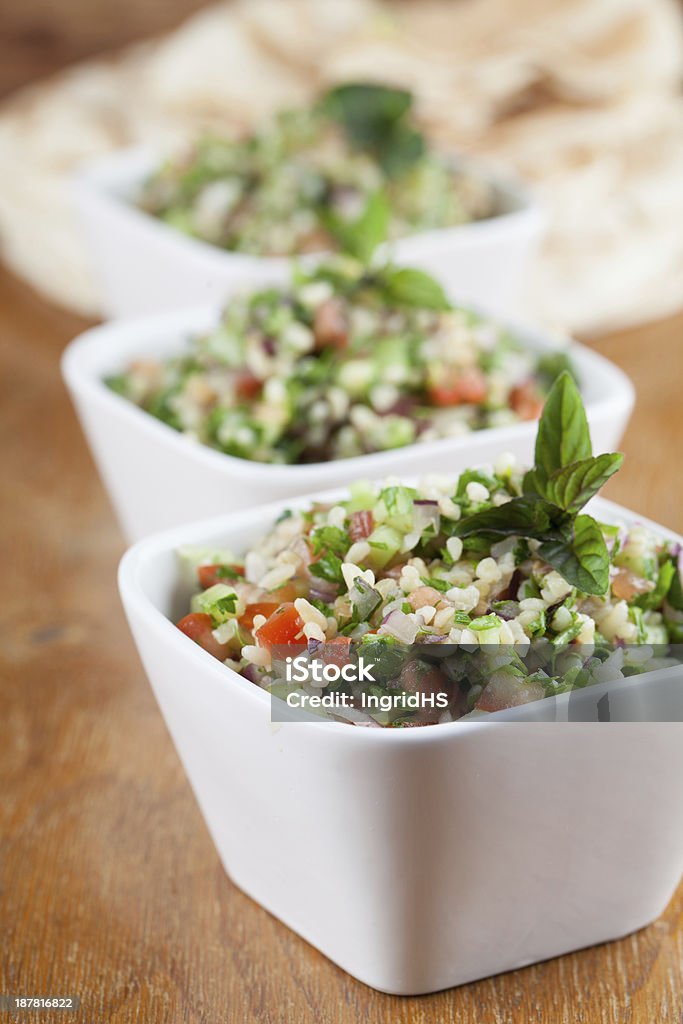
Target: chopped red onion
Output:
{"points": [[322, 590], [252, 673], [425, 514], [400, 626]]}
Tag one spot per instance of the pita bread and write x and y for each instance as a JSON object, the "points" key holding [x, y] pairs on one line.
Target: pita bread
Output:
{"points": [[579, 96]]}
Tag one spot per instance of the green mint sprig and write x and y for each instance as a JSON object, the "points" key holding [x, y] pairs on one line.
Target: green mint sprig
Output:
{"points": [[360, 238], [565, 476], [376, 119]]}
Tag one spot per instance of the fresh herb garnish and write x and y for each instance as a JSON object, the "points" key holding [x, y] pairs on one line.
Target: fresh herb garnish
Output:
{"points": [[361, 237], [329, 538], [675, 594], [328, 567], [406, 286], [376, 119], [565, 476]]}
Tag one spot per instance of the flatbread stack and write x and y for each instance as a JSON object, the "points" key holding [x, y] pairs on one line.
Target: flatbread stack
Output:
{"points": [[582, 97]]}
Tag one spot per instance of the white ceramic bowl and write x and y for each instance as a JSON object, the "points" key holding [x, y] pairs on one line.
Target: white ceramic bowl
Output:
{"points": [[418, 859], [144, 265], [156, 477]]}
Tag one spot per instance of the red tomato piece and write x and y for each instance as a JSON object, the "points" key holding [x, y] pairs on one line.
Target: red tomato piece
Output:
{"points": [[284, 626], [468, 387], [209, 575], [337, 651], [289, 591], [526, 401], [247, 385], [331, 324], [199, 628], [258, 608]]}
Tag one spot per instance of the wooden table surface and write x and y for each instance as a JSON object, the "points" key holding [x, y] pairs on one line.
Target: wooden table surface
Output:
{"points": [[109, 884]]}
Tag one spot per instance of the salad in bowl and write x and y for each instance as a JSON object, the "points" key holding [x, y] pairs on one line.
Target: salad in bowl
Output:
{"points": [[352, 357], [292, 186], [491, 590]]}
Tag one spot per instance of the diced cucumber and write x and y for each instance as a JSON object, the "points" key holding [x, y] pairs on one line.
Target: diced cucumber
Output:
{"points": [[219, 601], [399, 505], [363, 496], [385, 542]]}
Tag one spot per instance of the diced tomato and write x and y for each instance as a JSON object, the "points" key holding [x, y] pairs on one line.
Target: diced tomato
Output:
{"points": [[258, 608], [361, 526], [337, 651], [247, 385], [331, 324], [284, 626], [289, 591], [467, 387], [199, 628], [422, 678], [526, 401], [209, 575]]}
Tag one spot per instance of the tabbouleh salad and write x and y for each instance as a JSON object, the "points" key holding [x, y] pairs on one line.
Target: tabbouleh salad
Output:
{"points": [[290, 187], [350, 358], [497, 559]]}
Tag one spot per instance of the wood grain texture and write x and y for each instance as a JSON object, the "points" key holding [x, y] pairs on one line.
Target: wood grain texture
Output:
{"points": [[38, 37], [109, 884]]}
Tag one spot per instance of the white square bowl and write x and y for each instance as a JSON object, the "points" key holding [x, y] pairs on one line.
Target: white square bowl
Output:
{"points": [[418, 859], [144, 265], [156, 477]]}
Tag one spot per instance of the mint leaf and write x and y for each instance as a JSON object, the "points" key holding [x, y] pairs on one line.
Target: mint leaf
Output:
{"points": [[361, 237], [406, 286], [573, 486], [327, 567], [583, 561], [665, 583], [551, 365], [525, 517], [375, 118], [563, 436], [329, 538], [675, 595]]}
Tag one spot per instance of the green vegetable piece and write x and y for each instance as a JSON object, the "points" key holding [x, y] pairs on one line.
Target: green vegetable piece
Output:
{"points": [[583, 561], [385, 542], [361, 238], [219, 601], [675, 594], [527, 517], [485, 622], [406, 286], [573, 486], [665, 582], [398, 502], [328, 567], [563, 436], [375, 119], [330, 538]]}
